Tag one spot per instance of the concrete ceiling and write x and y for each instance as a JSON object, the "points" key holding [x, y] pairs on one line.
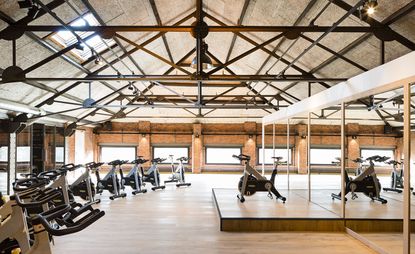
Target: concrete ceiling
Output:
{"points": [[258, 13]]}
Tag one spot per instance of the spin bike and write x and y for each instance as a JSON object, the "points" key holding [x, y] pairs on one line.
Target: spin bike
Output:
{"points": [[367, 182], [110, 182], [153, 175], [133, 178], [178, 174], [396, 177], [83, 186], [252, 181], [359, 161]]}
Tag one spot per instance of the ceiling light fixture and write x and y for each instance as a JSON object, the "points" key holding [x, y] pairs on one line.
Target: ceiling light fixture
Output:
{"points": [[371, 6], [206, 61], [98, 60]]}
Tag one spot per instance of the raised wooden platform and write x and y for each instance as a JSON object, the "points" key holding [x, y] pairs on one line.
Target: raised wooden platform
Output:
{"points": [[260, 214]]}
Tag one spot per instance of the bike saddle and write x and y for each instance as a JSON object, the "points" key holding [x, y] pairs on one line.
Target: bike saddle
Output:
{"points": [[69, 167], [242, 157], [277, 158]]}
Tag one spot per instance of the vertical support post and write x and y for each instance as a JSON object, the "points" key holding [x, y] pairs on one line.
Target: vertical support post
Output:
{"points": [[288, 154], [308, 155], [382, 52], [11, 176], [273, 139], [199, 68], [14, 52], [263, 149], [343, 159], [407, 167]]}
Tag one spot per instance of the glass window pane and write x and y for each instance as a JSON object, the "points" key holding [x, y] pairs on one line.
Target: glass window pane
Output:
{"points": [[165, 152], [215, 155], [110, 153], [279, 152], [23, 154], [324, 156], [3, 153], [60, 154], [365, 153]]}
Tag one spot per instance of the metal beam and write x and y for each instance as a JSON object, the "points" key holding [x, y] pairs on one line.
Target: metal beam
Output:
{"points": [[188, 29], [374, 23], [186, 78]]}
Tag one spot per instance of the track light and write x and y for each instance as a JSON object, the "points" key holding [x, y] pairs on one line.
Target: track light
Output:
{"points": [[371, 6], [98, 60]]}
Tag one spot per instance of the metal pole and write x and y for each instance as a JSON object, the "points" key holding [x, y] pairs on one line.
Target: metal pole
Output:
{"points": [[288, 154], [273, 139], [343, 157], [308, 155], [11, 169], [407, 167], [263, 149]]}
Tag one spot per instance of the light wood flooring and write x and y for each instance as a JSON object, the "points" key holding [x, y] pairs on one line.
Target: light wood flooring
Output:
{"points": [[186, 221]]}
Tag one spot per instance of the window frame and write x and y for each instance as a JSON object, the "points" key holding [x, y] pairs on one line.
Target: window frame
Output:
{"points": [[324, 148], [117, 146], [62, 43], [221, 147], [167, 161], [276, 147]]}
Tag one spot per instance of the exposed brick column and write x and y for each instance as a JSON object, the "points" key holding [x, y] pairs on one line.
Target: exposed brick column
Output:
{"points": [[301, 149], [89, 145], [70, 149], [250, 141], [197, 148], [144, 144], [353, 146]]}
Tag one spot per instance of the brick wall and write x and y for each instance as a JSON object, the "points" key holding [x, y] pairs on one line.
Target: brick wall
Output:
{"points": [[197, 136]]}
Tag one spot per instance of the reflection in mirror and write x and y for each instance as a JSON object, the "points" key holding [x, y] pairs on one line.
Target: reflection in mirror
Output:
{"points": [[49, 143], [60, 147], [375, 200], [23, 152]]}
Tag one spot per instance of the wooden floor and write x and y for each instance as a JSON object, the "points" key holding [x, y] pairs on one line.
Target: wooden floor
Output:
{"points": [[185, 221]]}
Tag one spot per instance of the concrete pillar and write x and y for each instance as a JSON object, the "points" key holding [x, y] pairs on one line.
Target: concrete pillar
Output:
{"points": [[11, 163], [197, 148]]}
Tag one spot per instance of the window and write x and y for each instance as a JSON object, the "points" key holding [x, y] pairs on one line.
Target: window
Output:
{"points": [[59, 154], [3, 153], [381, 152], [165, 152], [66, 38], [324, 156], [23, 154], [279, 152], [110, 153], [222, 155]]}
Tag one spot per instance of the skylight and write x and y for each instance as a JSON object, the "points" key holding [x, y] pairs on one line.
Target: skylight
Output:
{"points": [[66, 38]]}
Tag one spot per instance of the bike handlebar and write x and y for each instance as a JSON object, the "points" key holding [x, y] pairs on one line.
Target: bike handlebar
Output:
{"points": [[183, 159], [158, 160]]}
